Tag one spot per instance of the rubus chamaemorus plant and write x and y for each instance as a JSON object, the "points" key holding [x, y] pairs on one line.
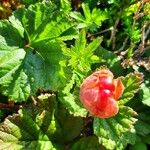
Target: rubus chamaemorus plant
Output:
{"points": [[54, 92]]}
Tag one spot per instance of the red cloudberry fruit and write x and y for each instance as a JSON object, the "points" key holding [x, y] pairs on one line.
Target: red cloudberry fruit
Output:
{"points": [[99, 93]]}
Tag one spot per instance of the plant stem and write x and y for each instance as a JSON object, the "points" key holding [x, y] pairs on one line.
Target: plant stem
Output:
{"points": [[9, 106]]}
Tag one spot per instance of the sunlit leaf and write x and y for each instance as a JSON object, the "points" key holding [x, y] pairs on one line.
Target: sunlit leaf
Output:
{"points": [[116, 132], [132, 84], [30, 51]]}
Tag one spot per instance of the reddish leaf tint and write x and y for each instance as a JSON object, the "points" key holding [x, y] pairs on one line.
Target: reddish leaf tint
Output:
{"points": [[99, 93]]}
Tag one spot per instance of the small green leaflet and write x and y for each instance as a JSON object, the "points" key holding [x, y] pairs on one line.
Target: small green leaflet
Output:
{"points": [[81, 56], [91, 19], [132, 84], [116, 132], [30, 51]]}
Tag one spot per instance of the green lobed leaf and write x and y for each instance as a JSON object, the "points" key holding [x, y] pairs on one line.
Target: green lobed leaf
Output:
{"points": [[23, 72], [86, 143], [91, 19], [44, 21], [83, 61], [116, 132], [132, 84], [94, 18], [28, 129], [30, 51], [35, 19], [39, 126]]}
